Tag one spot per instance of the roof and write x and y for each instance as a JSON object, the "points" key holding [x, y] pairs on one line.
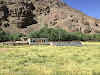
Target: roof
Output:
{"points": [[34, 38], [39, 38]]}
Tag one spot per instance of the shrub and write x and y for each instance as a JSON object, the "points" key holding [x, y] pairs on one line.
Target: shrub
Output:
{"points": [[34, 34], [54, 34], [15, 37], [2, 33]]}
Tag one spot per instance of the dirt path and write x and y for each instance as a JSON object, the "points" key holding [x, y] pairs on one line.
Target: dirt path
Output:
{"points": [[5, 49]]}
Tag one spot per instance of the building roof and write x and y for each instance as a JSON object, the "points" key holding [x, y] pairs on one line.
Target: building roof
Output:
{"points": [[39, 38]]}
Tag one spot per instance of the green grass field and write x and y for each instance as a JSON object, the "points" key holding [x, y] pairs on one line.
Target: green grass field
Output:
{"points": [[50, 60]]}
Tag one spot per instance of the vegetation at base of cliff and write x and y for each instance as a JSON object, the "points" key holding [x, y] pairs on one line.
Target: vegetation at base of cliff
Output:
{"points": [[52, 34], [61, 35], [4, 36]]}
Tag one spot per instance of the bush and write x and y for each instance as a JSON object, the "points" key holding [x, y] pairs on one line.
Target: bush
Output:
{"points": [[97, 37], [73, 36], [3, 36], [15, 37], [52, 34], [34, 34]]}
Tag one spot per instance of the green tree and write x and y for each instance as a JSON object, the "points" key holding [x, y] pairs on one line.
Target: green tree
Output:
{"points": [[15, 37], [34, 34]]}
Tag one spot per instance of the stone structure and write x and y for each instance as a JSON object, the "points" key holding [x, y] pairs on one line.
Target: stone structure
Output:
{"points": [[37, 41]]}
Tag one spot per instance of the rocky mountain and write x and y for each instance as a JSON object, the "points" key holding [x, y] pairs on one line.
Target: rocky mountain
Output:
{"points": [[24, 16]]}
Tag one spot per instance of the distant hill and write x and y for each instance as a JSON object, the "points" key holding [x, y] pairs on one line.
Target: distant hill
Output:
{"points": [[25, 16]]}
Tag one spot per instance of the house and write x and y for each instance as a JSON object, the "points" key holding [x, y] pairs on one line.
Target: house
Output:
{"points": [[44, 41], [67, 43], [38, 41]]}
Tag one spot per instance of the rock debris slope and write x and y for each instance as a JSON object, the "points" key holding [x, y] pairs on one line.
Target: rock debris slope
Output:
{"points": [[25, 16]]}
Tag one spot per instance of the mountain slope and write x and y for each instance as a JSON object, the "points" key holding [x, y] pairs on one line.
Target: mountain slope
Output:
{"points": [[25, 16]]}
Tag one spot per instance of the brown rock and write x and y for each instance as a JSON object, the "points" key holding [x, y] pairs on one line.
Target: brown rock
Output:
{"points": [[31, 14]]}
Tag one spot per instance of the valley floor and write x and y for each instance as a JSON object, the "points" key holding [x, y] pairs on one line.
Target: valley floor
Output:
{"points": [[50, 60]]}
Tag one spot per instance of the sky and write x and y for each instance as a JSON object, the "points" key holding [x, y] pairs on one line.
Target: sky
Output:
{"points": [[89, 7]]}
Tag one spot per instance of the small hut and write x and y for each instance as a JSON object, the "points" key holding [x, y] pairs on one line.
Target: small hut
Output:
{"points": [[38, 41]]}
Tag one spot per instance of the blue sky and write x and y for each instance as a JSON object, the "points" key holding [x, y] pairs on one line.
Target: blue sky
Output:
{"points": [[89, 7]]}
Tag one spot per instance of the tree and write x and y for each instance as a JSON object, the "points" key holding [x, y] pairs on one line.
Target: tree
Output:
{"points": [[15, 37], [34, 34], [3, 36]]}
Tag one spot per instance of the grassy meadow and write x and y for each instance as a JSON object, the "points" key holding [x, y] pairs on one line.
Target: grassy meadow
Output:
{"points": [[50, 60]]}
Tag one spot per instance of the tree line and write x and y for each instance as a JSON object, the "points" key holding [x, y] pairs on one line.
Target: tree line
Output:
{"points": [[53, 34]]}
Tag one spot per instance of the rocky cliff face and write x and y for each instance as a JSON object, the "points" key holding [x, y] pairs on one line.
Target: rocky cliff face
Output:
{"points": [[25, 16]]}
